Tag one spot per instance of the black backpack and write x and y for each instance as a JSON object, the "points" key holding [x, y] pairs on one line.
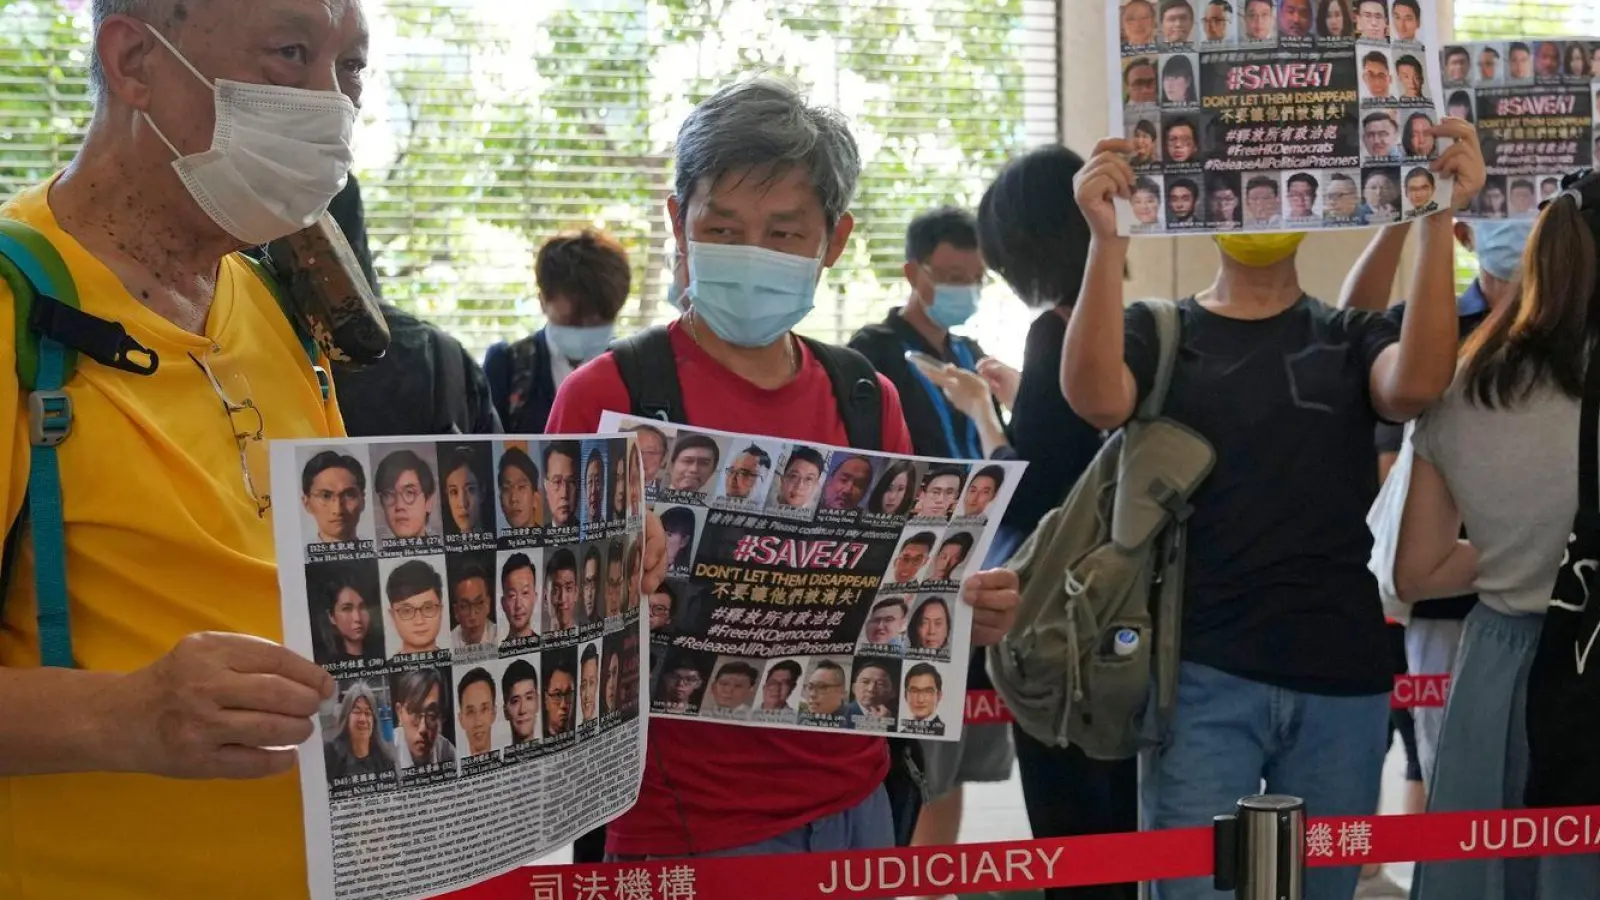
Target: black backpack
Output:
{"points": [[650, 375]]}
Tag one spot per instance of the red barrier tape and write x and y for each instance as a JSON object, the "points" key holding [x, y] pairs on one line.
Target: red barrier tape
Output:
{"points": [[1059, 862], [1410, 692]]}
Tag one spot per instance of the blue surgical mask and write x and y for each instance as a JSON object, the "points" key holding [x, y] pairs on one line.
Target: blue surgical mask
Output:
{"points": [[675, 296], [953, 304], [750, 296], [579, 343]]}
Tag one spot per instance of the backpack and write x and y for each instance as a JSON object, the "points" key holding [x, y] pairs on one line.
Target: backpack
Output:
{"points": [[650, 375], [1093, 659], [52, 331]]}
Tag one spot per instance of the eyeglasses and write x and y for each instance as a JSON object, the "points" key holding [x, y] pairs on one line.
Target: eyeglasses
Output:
{"points": [[561, 483], [426, 610], [429, 716], [248, 425], [922, 693], [409, 495], [743, 476], [560, 696]]}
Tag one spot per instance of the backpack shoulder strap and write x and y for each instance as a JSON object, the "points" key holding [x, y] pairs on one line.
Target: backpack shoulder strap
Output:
{"points": [[38, 279], [650, 374], [1168, 338], [308, 344], [855, 389], [450, 389]]}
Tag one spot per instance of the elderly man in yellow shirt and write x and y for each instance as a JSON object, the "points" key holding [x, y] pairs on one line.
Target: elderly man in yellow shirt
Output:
{"points": [[173, 592]]}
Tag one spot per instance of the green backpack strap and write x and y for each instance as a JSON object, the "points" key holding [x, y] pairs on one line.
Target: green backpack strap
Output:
{"points": [[36, 275], [307, 343]]}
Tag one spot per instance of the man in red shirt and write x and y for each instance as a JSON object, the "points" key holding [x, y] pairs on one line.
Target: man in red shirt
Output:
{"points": [[763, 184]]}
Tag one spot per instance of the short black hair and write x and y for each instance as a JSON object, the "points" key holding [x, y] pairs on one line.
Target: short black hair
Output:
{"points": [[1138, 62], [740, 668], [943, 471], [831, 666], [1143, 184], [1489, 50], [1450, 52], [1265, 181], [788, 665], [589, 653], [1186, 183], [696, 442], [960, 539], [479, 675], [331, 459], [1030, 229], [1408, 60], [945, 225], [1379, 116], [807, 455], [1304, 178], [459, 458], [519, 671], [411, 689], [1522, 183], [1409, 4], [678, 518], [922, 539], [469, 570], [517, 458], [762, 458], [1518, 45], [410, 579], [892, 601], [400, 462], [569, 449], [1420, 170], [560, 561], [1377, 57], [592, 553], [922, 669], [516, 562], [997, 474]]}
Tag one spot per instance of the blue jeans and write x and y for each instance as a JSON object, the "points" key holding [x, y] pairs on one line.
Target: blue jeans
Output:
{"points": [[1231, 734], [866, 826]]}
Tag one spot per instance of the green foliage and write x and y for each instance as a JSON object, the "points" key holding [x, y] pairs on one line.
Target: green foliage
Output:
{"points": [[490, 127]]}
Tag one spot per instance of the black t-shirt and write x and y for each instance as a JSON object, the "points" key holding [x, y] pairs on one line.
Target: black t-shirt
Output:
{"points": [[1276, 584]]}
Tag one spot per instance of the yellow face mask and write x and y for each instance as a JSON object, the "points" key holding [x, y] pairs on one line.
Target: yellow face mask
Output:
{"points": [[1259, 250]]}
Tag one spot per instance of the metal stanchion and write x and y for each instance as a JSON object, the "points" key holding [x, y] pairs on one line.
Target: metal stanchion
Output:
{"points": [[1261, 849]]}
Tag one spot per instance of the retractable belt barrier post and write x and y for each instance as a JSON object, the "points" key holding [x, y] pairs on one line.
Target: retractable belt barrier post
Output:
{"points": [[1259, 852]]}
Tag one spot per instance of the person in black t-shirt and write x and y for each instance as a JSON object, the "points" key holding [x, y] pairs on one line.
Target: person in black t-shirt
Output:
{"points": [[1285, 675]]}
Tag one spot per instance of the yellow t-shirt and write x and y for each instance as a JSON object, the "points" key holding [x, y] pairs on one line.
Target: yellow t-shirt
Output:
{"points": [[162, 541]]}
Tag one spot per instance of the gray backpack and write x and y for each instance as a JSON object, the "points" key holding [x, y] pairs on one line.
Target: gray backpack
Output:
{"points": [[1093, 659]]}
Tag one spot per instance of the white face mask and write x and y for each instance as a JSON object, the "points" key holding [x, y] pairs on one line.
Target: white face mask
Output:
{"points": [[278, 156]]}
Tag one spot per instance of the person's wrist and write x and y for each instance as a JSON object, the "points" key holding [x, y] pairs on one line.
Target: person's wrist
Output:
{"points": [[111, 743]]}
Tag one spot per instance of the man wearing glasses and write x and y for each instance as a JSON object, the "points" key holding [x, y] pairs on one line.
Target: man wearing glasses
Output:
{"points": [[415, 590], [797, 487], [419, 699], [561, 483], [333, 491], [560, 689], [615, 583], [471, 599], [824, 692], [408, 491], [924, 691], [745, 472]]}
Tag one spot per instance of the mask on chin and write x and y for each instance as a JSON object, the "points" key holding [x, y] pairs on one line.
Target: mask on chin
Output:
{"points": [[1259, 250]]}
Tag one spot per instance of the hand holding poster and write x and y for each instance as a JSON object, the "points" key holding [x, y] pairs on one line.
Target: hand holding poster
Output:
{"points": [[473, 727], [1533, 102], [1276, 115], [813, 587]]}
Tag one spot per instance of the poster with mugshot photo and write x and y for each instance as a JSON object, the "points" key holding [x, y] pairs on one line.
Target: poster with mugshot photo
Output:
{"points": [[805, 603], [1536, 103], [1254, 116], [478, 604]]}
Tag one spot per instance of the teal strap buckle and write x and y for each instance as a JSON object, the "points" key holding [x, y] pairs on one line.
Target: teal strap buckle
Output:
{"points": [[49, 418]]}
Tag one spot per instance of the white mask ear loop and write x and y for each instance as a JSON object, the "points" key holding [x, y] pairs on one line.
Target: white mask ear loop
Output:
{"points": [[187, 65]]}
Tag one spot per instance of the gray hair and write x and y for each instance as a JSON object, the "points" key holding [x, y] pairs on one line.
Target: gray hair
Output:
{"points": [[347, 704], [765, 123], [148, 10]]}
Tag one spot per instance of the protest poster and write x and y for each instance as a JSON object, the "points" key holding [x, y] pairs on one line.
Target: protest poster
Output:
{"points": [[486, 656], [813, 587], [1276, 115], [1533, 101]]}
